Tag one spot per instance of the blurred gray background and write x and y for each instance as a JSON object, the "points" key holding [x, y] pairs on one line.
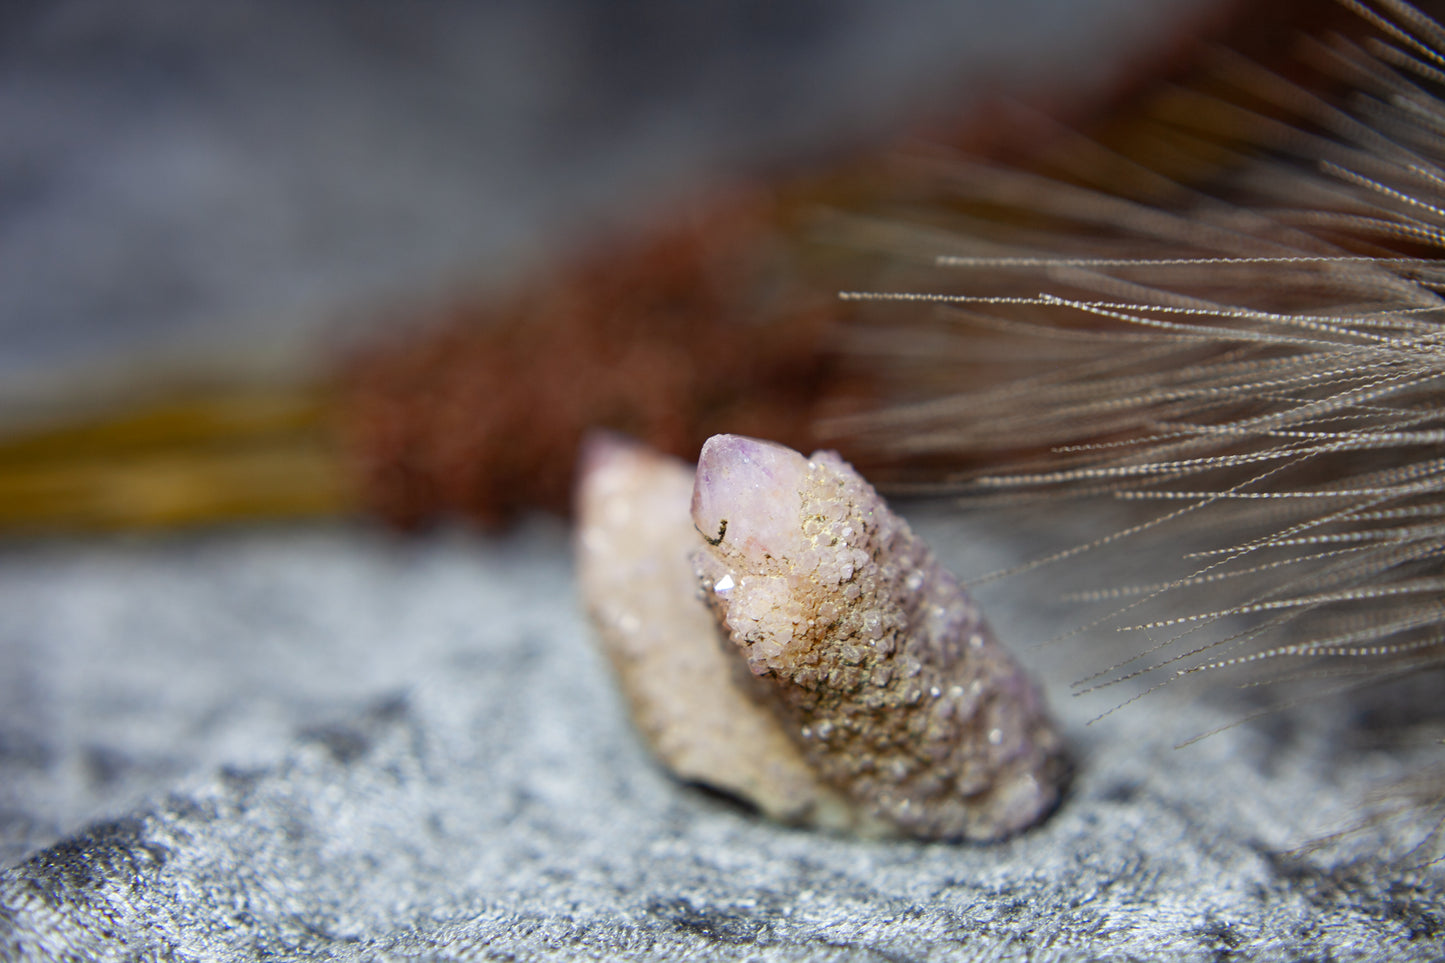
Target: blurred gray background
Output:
{"points": [[184, 177]]}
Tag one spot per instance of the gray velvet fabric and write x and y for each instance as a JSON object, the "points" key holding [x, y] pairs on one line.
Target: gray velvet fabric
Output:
{"points": [[330, 744]]}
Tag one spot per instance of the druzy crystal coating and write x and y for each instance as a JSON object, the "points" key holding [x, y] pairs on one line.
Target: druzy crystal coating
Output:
{"points": [[844, 678], [880, 665]]}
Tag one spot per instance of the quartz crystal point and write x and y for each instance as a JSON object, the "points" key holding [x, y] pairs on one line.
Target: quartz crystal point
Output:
{"points": [[700, 712], [876, 661], [842, 679]]}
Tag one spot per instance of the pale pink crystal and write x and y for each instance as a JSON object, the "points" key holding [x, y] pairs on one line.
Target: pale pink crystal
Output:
{"points": [[881, 666]]}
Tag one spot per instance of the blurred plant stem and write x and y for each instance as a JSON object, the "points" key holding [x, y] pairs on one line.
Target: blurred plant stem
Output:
{"points": [[206, 455]]}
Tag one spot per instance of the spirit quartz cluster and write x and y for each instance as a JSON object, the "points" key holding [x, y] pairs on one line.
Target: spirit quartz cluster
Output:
{"points": [[866, 656]]}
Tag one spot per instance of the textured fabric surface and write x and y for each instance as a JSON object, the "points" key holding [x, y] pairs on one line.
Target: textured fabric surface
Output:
{"points": [[328, 744]]}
